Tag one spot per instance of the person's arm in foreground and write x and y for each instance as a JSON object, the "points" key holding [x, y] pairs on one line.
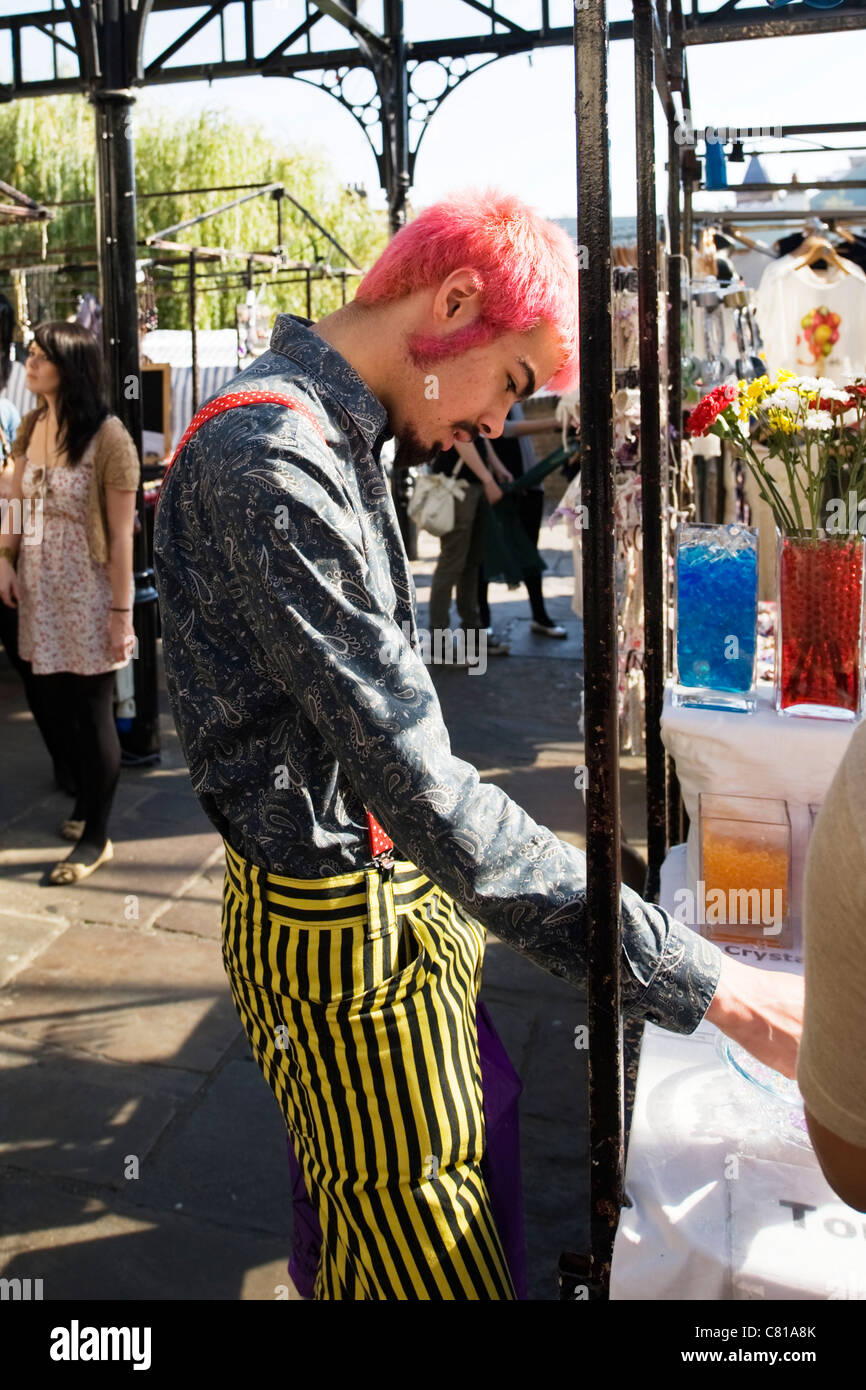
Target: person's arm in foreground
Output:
{"points": [[487, 477], [305, 593], [514, 429], [832, 1066], [120, 510]]}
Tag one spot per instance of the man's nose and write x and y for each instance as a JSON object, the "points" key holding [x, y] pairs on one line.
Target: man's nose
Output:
{"points": [[492, 422]]}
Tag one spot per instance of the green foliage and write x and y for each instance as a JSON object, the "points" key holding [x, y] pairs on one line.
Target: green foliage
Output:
{"points": [[48, 147]]}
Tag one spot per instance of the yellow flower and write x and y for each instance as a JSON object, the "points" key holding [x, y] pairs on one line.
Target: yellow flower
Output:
{"points": [[781, 421], [751, 395]]}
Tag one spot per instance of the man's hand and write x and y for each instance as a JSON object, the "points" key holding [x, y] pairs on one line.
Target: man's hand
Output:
{"points": [[495, 465], [762, 1010], [492, 491]]}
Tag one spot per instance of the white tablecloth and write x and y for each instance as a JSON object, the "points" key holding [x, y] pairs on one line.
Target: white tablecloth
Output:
{"points": [[727, 1202]]}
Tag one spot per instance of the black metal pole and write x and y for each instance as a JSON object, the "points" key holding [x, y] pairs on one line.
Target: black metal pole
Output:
{"points": [[396, 177], [651, 457], [600, 658], [675, 413], [116, 239], [193, 308], [395, 116], [278, 195]]}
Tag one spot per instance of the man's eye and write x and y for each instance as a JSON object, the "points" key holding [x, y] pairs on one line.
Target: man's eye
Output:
{"points": [[512, 385]]}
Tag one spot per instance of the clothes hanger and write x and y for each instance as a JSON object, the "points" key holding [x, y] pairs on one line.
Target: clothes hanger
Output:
{"points": [[817, 248], [843, 232]]}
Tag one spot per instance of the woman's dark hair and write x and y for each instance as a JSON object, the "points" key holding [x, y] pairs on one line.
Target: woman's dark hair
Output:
{"points": [[7, 325], [81, 400]]}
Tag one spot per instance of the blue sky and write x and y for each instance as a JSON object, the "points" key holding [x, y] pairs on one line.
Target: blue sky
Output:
{"points": [[512, 124]]}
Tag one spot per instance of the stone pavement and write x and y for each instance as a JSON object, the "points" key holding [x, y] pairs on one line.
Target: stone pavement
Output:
{"points": [[141, 1154]]}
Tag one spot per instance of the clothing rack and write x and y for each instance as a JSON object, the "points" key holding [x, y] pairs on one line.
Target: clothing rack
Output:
{"points": [[829, 215]]}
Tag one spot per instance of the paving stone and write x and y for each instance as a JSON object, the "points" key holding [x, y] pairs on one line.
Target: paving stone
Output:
{"points": [[83, 1247], [23, 937], [159, 863], [199, 910], [226, 1158], [79, 1116], [130, 995]]}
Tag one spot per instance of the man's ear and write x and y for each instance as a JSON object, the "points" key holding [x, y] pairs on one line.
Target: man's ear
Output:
{"points": [[458, 297]]}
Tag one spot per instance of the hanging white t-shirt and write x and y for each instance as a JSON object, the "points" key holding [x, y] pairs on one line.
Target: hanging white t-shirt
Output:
{"points": [[813, 322]]}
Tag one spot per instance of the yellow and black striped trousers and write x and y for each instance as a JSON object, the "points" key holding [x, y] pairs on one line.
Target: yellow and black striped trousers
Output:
{"points": [[358, 997]]}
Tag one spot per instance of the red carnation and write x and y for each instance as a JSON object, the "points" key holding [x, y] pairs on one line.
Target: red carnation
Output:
{"points": [[707, 411]]}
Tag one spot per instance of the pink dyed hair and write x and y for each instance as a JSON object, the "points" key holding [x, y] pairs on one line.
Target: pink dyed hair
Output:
{"points": [[525, 269]]}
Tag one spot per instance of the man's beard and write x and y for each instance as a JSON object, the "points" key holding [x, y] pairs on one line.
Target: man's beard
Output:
{"points": [[410, 452]]}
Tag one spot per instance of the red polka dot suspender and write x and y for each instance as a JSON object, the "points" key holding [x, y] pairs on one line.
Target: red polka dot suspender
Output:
{"points": [[232, 400], [380, 843]]}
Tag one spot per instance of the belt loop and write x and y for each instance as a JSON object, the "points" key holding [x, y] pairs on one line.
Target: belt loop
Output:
{"points": [[381, 911]]}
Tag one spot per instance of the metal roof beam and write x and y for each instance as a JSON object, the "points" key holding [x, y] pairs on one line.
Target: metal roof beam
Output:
{"points": [[769, 24]]}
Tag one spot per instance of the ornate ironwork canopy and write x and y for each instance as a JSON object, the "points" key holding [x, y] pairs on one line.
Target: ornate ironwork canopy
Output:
{"points": [[391, 82]]}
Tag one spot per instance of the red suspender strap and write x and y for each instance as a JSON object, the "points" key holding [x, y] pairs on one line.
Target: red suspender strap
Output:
{"points": [[379, 841], [231, 401]]}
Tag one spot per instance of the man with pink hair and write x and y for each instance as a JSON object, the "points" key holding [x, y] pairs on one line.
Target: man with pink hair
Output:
{"points": [[363, 860]]}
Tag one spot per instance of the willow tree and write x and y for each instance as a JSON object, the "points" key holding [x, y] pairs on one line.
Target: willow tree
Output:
{"points": [[47, 149]]}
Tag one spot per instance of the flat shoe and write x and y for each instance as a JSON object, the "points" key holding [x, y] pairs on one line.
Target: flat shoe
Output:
{"points": [[553, 630], [71, 829], [65, 872]]}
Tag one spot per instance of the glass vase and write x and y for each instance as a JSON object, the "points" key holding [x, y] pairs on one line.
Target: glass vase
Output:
{"points": [[717, 616], [818, 652], [744, 888]]}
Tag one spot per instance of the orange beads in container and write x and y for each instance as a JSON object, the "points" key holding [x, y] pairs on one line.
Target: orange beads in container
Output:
{"points": [[745, 875]]}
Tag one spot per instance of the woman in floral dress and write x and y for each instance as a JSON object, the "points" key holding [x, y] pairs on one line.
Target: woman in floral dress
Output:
{"points": [[68, 569]]}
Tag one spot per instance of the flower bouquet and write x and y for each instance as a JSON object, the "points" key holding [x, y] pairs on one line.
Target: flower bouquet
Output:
{"points": [[817, 430]]}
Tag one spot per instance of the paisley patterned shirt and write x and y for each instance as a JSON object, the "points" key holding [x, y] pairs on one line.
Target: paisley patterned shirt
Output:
{"points": [[301, 697]]}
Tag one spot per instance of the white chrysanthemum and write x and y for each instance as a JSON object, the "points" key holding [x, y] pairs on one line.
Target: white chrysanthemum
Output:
{"points": [[819, 420], [812, 383], [783, 399]]}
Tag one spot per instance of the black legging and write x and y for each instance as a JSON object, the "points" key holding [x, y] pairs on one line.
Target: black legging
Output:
{"points": [[65, 773], [530, 507], [80, 713]]}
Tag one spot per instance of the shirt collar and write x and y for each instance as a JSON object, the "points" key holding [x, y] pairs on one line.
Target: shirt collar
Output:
{"points": [[292, 337]]}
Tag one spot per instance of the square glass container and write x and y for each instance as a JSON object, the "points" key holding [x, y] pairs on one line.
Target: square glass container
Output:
{"points": [[744, 887], [716, 616]]}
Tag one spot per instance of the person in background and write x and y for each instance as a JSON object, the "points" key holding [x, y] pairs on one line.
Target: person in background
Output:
{"points": [[76, 473], [514, 450], [831, 1066], [461, 552], [10, 421]]}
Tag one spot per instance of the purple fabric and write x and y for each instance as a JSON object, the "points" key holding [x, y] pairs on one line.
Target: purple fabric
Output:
{"points": [[500, 1165]]}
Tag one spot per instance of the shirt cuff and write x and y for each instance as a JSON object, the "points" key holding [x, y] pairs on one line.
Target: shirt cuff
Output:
{"points": [[683, 986]]}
